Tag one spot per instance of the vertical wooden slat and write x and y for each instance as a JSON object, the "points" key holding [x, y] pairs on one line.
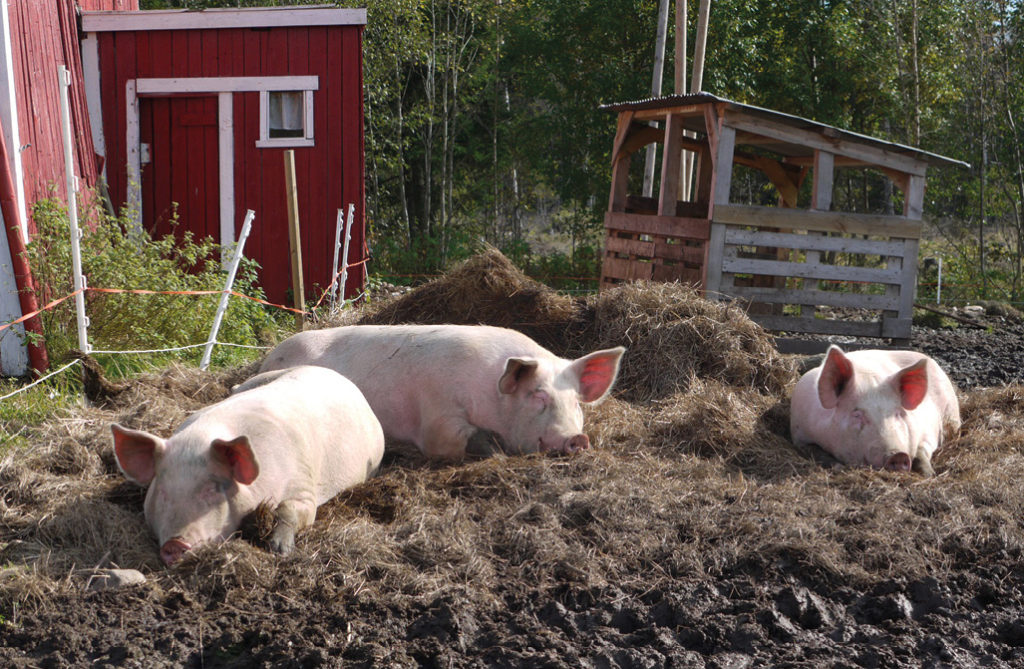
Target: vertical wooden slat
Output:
{"points": [[721, 182], [670, 163], [620, 166], [821, 200]]}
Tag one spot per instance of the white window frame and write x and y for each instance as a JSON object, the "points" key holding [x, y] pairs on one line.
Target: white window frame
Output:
{"points": [[267, 142]]}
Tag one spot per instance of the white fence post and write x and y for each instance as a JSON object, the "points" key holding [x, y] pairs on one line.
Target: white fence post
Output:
{"points": [[334, 267], [64, 78], [222, 307], [344, 253]]}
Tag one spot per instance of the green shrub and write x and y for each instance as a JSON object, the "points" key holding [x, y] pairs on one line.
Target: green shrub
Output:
{"points": [[116, 255]]}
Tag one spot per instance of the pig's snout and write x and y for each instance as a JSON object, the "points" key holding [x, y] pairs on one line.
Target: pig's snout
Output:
{"points": [[173, 549], [898, 462], [580, 442]]}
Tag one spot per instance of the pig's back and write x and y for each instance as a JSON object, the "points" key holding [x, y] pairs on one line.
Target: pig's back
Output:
{"points": [[310, 426], [407, 371]]}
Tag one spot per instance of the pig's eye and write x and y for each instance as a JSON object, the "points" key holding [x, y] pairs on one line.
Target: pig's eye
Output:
{"points": [[541, 400], [220, 486]]}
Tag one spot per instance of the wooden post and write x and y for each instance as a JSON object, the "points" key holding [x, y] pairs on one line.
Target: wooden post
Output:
{"points": [[697, 81], [294, 239], [659, 68]]}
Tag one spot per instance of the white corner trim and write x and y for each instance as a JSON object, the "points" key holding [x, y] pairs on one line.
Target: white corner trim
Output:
{"points": [[175, 85], [225, 160], [91, 73], [13, 352], [134, 190], [9, 114], [184, 19], [226, 163]]}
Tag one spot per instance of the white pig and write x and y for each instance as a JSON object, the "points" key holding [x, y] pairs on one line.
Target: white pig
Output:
{"points": [[883, 409], [449, 387], [294, 440]]}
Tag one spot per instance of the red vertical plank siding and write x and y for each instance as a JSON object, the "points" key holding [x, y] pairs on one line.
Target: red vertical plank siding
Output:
{"points": [[332, 128], [318, 193], [330, 173], [352, 143]]}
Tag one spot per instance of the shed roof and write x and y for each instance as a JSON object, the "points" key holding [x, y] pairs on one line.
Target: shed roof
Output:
{"points": [[695, 122], [189, 19]]}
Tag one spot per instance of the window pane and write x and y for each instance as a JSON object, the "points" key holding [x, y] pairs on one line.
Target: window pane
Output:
{"points": [[286, 113]]}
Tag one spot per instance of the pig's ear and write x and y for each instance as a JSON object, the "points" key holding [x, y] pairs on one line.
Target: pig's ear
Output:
{"points": [[912, 382], [836, 373], [597, 372], [137, 452], [236, 454], [517, 372]]}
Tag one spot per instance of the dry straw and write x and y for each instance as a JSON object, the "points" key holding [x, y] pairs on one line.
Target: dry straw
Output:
{"points": [[691, 476]]}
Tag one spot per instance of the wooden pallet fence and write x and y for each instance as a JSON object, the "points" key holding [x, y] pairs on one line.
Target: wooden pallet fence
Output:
{"points": [[879, 254], [658, 248]]}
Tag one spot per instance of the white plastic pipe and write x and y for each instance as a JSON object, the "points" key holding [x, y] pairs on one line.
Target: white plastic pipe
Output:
{"points": [[334, 266], [938, 290], [344, 253], [64, 78], [236, 258]]}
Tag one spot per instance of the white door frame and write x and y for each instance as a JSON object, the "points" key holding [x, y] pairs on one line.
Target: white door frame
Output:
{"points": [[224, 88]]}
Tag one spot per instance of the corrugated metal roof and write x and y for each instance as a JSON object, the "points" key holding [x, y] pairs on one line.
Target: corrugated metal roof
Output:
{"points": [[785, 148]]}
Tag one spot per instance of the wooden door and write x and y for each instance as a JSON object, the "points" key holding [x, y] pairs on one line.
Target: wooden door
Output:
{"points": [[179, 165]]}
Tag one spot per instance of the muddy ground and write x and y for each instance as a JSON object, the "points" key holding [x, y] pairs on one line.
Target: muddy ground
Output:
{"points": [[691, 535]]}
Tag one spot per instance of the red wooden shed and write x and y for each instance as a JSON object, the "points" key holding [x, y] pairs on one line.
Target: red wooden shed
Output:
{"points": [[197, 108]]}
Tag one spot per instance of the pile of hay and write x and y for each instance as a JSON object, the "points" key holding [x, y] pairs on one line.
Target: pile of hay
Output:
{"points": [[487, 289], [691, 477], [673, 335]]}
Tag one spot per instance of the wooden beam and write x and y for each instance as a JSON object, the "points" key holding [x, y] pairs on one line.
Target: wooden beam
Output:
{"points": [[668, 226], [814, 297], [816, 140], [813, 242], [799, 270], [620, 166], [818, 325], [670, 163], [800, 219]]}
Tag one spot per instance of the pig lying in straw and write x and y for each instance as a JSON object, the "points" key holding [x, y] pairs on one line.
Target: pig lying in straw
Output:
{"points": [[293, 439], [884, 409], [449, 388]]}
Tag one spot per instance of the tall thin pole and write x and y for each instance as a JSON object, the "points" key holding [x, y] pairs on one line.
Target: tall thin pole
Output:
{"points": [[64, 77], [697, 81], [294, 238], [222, 306], [656, 76], [680, 88]]}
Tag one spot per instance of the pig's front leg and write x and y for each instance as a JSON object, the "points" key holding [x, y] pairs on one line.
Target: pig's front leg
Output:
{"points": [[447, 438], [922, 463], [290, 516], [484, 444]]}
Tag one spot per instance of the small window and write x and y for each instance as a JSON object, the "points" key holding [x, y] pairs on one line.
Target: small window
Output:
{"points": [[286, 118]]}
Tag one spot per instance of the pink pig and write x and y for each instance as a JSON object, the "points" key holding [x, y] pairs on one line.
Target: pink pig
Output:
{"points": [[884, 409], [449, 388], [293, 438]]}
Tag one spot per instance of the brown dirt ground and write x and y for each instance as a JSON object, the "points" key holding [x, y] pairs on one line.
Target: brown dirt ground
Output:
{"points": [[692, 533]]}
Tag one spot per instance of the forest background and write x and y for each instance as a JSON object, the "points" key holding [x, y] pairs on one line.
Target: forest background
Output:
{"points": [[482, 119]]}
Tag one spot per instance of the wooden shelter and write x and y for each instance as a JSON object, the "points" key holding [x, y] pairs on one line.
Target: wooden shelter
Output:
{"points": [[791, 260]]}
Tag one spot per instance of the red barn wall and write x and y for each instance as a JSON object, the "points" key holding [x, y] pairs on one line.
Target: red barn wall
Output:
{"points": [[45, 35], [329, 174]]}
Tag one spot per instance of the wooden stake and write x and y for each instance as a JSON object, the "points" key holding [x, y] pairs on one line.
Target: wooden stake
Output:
{"points": [[294, 239]]}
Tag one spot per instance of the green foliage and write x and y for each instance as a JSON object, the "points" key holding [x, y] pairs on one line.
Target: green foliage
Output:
{"points": [[114, 255], [480, 111]]}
